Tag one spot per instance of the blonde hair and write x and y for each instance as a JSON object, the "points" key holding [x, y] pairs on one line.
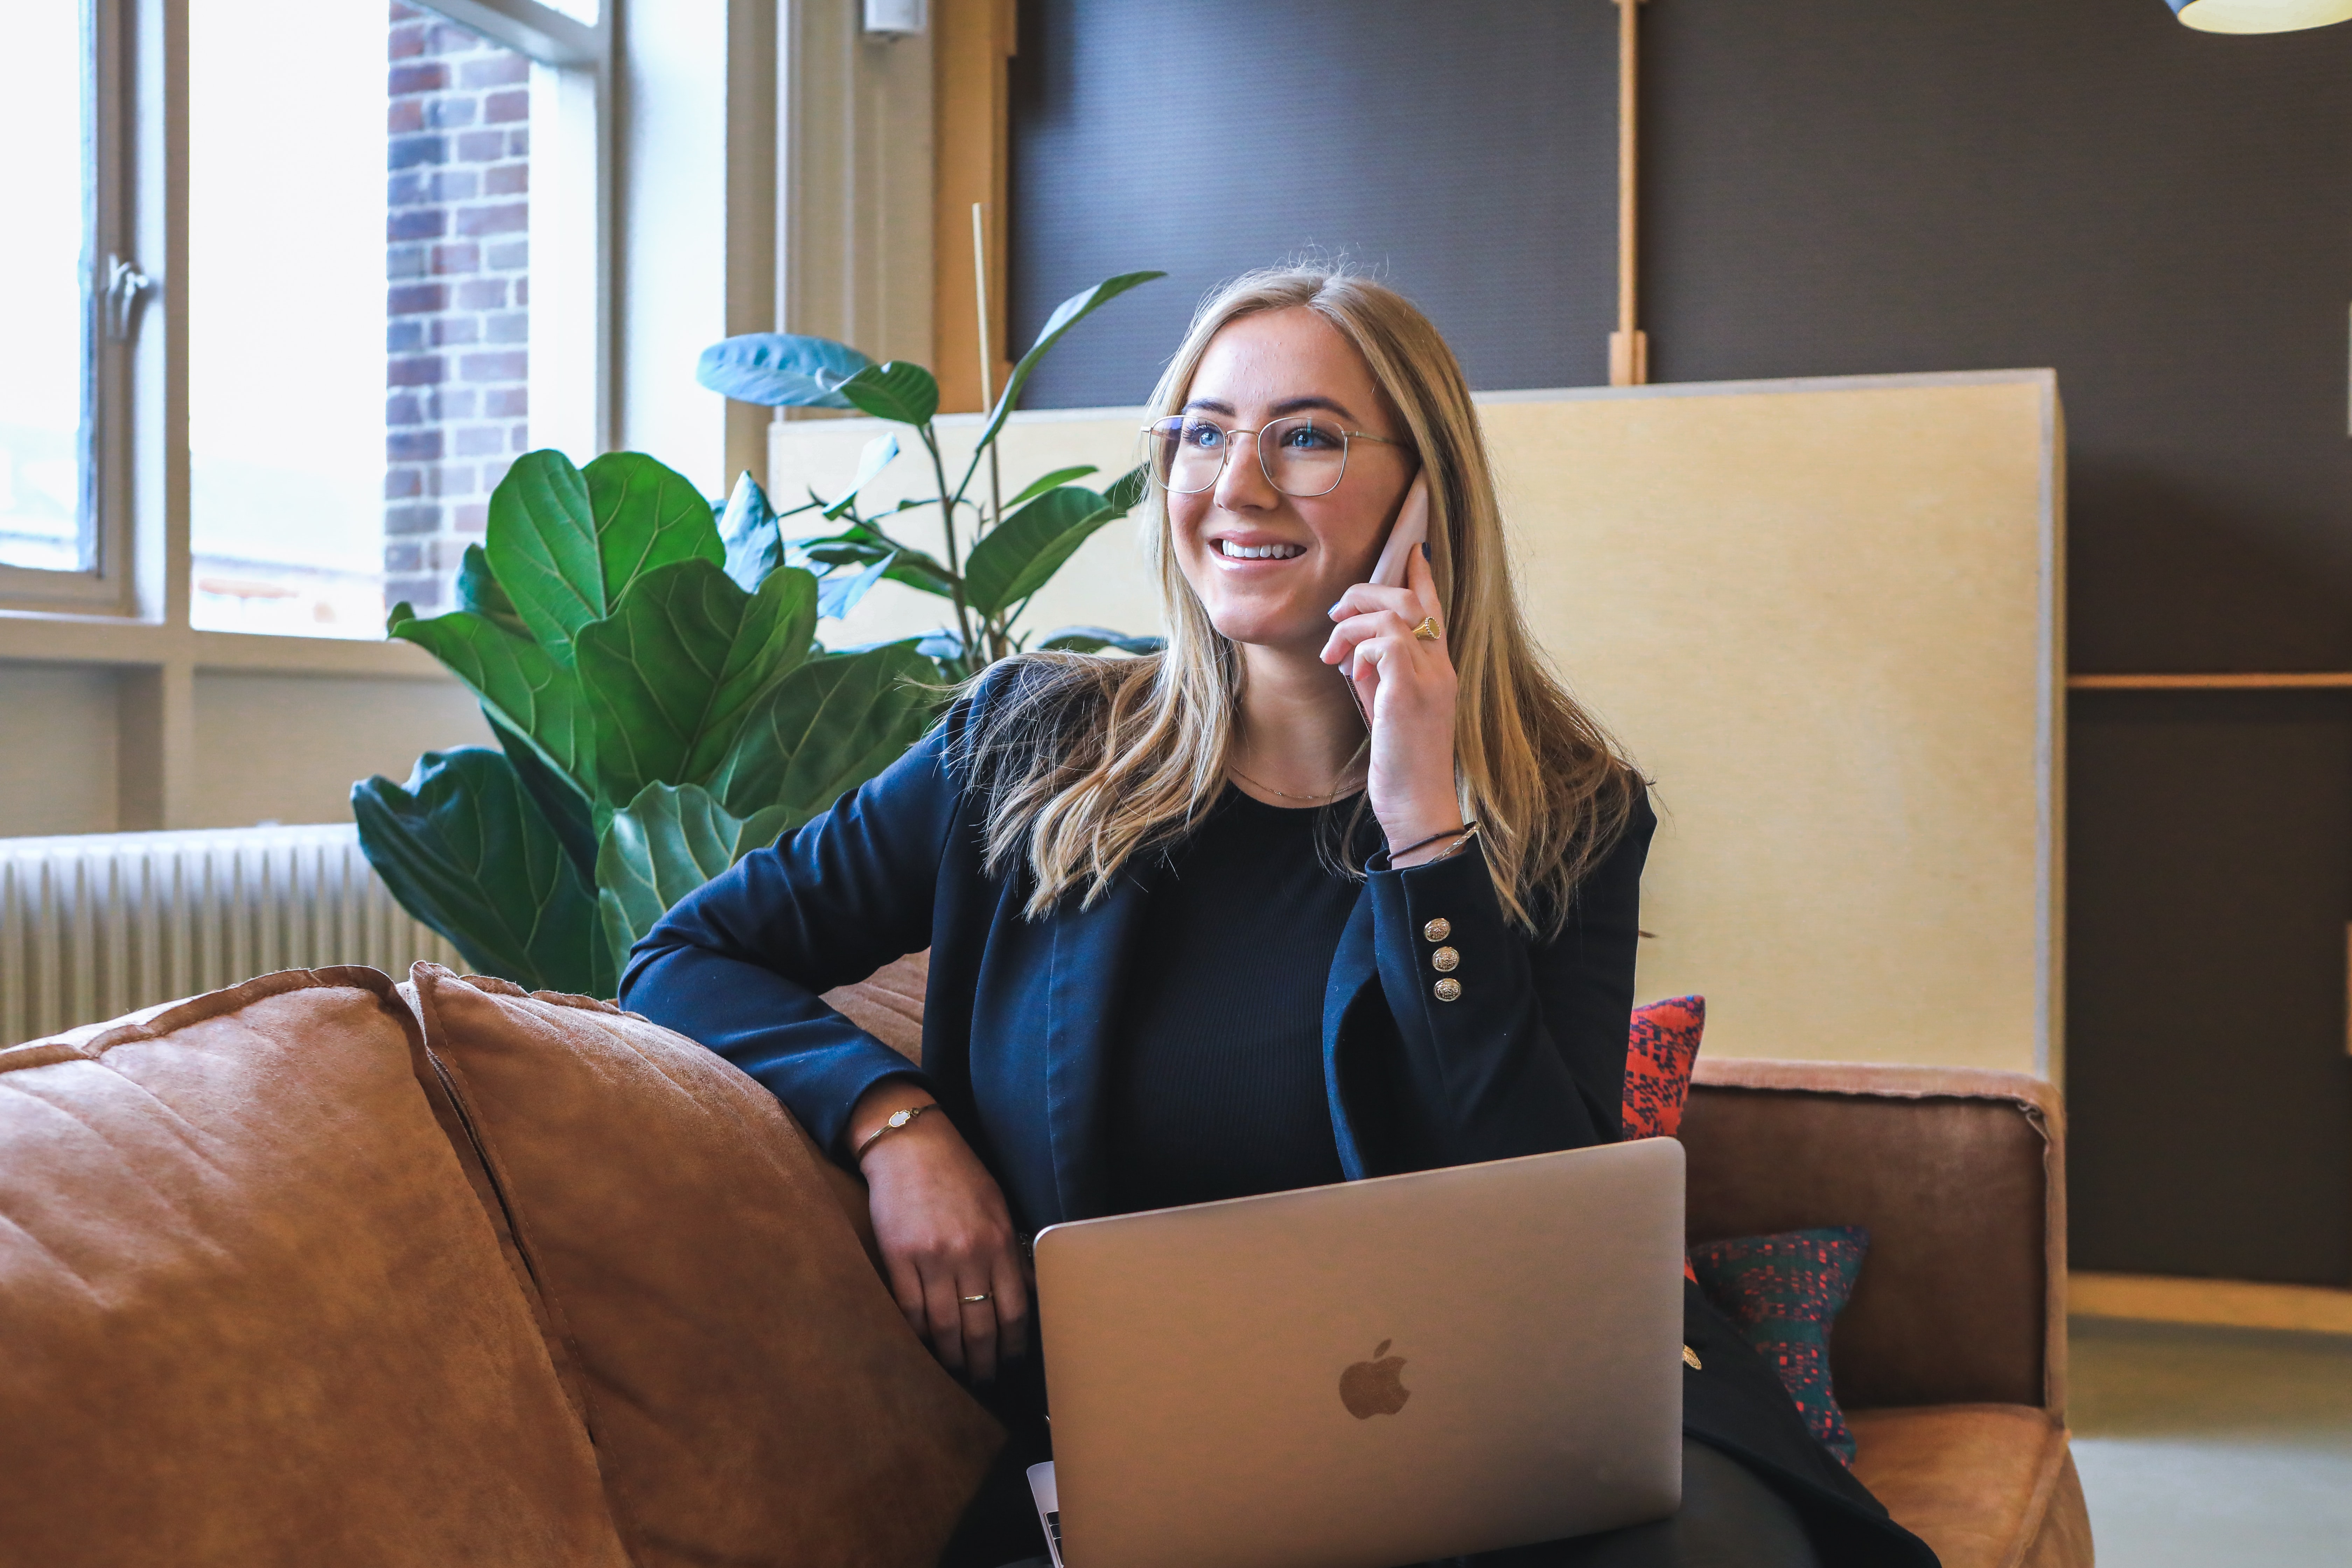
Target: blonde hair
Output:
{"points": [[1086, 762]]}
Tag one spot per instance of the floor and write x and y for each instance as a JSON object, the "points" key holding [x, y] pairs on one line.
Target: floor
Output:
{"points": [[2202, 1447]]}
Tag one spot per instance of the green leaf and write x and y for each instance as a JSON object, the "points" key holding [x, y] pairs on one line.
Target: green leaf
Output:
{"points": [[565, 545], [781, 370], [1058, 477], [647, 516], [875, 457], [541, 547], [861, 547], [1094, 639], [478, 591], [463, 850], [564, 802], [826, 729], [748, 532], [838, 593], [1021, 554], [1067, 314], [519, 683], [901, 392], [663, 845], [672, 674]]}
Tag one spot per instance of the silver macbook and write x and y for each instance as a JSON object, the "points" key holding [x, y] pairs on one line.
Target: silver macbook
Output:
{"points": [[1368, 1374]]}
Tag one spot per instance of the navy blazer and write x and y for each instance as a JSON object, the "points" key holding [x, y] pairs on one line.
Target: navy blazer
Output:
{"points": [[1020, 1015], [1019, 1020]]}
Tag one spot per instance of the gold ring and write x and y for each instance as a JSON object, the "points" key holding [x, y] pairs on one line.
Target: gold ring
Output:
{"points": [[1427, 631], [974, 1300]]}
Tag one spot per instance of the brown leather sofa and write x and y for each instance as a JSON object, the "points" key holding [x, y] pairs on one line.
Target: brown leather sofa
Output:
{"points": [[320, 1269]]}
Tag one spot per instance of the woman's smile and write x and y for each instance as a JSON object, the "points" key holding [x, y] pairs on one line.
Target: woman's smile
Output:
{"points": [[1243, 549]]}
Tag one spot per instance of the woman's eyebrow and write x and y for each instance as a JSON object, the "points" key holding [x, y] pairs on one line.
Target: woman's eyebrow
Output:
{"points": [[1289, 405], [1283, 409]]}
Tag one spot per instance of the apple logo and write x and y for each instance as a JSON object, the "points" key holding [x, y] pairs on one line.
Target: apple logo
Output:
{"points": [[1374, 1387]]}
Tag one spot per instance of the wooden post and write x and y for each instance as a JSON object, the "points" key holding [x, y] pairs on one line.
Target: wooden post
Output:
{"points": [[1629, 346], [972, 50]]}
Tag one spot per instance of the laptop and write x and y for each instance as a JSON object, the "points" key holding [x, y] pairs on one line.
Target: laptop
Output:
{"points": [[1368, 1374]]}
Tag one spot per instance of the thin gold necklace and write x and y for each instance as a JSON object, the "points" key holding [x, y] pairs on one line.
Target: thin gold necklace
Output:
{"points": [[1284, 794]]}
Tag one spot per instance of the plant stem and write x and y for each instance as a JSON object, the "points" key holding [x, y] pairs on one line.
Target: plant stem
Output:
{"points": [[987, 368], [955, 561]]}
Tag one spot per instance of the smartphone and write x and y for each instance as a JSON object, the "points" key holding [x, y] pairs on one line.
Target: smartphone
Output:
{"points": [[1411, 531]]}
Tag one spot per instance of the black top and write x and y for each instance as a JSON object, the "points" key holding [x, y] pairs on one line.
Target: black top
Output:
{"points": [[1216, 1082]]}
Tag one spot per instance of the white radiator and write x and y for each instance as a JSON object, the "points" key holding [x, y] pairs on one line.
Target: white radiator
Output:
{"points": [[98, 924]]}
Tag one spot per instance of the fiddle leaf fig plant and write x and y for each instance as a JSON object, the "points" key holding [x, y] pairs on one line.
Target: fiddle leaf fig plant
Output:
{"points": [[648, 665], [1014, 546], [650, 670]]}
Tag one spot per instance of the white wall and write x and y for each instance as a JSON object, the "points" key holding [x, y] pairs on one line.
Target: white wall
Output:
{"points": [[57, 740], [269, 748], [287, 748]]}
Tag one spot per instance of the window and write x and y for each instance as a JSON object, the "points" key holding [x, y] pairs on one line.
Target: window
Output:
{"points": [[45, 274], [55, 414], [361, 232], [393, 284]]}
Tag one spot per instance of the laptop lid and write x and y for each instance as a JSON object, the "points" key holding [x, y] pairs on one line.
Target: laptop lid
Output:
{"points": [[1371, 1374]]}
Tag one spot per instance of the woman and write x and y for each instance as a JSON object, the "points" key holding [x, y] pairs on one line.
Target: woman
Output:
{"points": [[1340, 884]]}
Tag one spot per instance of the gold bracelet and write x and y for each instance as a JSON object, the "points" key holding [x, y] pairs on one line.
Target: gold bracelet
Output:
{"points": [[1468, 833], [899, 1120]]}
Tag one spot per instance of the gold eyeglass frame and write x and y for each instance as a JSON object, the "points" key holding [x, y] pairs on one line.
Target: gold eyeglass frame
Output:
{"points": [[1258, 437]]}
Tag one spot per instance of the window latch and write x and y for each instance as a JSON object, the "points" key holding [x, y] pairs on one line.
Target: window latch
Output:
{"points": [[125, 286]]}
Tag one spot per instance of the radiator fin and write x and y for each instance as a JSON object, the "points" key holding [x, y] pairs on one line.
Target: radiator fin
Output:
{"points": [[100, 925]]}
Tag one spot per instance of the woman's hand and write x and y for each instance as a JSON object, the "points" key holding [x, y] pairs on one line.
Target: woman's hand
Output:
{"points": [[945, 1234], [1405, 685]]}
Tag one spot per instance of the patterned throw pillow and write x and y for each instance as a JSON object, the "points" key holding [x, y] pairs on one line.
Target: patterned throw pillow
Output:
{"points": [[1658, 1057], [1784, 1291]]}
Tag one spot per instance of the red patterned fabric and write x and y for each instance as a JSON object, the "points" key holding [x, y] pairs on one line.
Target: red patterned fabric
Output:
{"points": [[1658, 1057], [1784, 1291]]}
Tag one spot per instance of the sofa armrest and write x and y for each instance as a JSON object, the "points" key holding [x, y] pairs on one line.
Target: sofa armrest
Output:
{"points": [[1960, 1176]]}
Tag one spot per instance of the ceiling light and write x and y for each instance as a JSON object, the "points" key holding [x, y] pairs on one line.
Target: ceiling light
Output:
{"points": [[2260, 15]]}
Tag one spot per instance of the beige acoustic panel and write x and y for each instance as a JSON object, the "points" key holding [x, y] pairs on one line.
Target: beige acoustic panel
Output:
{"points": [[1822, 614], [1823, 617]]}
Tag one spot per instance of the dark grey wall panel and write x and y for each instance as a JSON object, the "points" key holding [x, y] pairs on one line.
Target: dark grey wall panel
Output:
{"points": [[1845, 187], [2211, 1114], [1466, 152]]}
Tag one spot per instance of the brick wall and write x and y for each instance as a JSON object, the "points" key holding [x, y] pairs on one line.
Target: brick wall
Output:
{"points": [[458, 262]]}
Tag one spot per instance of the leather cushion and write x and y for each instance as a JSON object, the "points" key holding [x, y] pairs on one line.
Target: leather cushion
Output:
{"points": [[752, 1391], [889, 1003], [1974, 1481], [253, 1313]]}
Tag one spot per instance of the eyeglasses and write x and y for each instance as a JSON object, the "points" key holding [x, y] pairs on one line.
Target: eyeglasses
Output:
{"points": [[1298, 457]]}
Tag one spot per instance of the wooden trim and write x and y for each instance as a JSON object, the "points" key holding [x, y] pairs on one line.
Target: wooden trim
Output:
{"points": [[2301, 680], [972, 44], [1629, 347], [2215, 1303]]}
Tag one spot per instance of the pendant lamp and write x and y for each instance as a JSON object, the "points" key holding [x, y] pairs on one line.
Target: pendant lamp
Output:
{"points": [[2260, 15]]}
